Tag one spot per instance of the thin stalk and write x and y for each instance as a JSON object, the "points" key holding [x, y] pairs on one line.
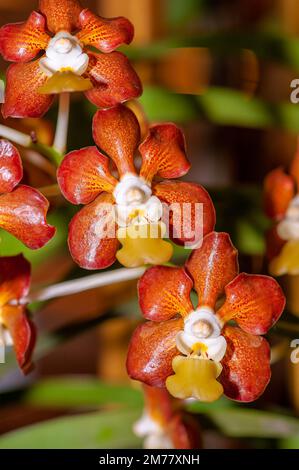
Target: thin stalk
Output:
{"points": [[60, 140], [39, 161], [15, 136], [86, 283]]}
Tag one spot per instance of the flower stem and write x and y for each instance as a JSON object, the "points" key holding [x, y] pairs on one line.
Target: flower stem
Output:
{"points": [[15, 136], [60, 140], [89, 282]]}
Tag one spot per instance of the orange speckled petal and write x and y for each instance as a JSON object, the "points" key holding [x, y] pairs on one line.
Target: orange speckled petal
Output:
{"points": [[190, 211], [21, 42], [151, 351], [164, 292], [287, 261], [22, 98], [14, 278], [11, 169], [84, 174], [143, 244], [114, 80], [61, 15], [92, 238], [195, 378], [23, 333], [104, 34], [23, 214], [246, 365], [278, 192], [164, 153], [117, 132], [213, 266], [255, 302]]}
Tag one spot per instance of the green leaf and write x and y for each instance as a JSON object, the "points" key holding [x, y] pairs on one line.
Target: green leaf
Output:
{"points": [[81, 391], [249, 239], [289, 443], [179, 12], [105, 430]]}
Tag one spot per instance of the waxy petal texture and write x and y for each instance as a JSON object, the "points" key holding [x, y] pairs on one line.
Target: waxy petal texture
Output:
{"points": [[278, 193], [104, 34], [164, 292], [164, 153], [114, 79], [23, 334], [14, 278], [246, 365], [151, 351], [62, 15], [255, 302], [11, 170], [116, 131], [23, 214], [22, 98], [212, 267], [21, 42], [186, 203], [84, 174], [91, 241]]}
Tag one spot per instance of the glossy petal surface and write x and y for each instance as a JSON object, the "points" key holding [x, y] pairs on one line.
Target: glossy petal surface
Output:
{"points": [[114, 79], [116, 131], [92, 240], [62, 15], [14, 278], [246, 365], [164, 153], [195, 378], [104, 34], [189, 211], [23, 214], [278, 192], [255, 302], [22, 98], [21, 42], [151, 351], [212, 267], [164, 292], [11, 169], [83, 174]]}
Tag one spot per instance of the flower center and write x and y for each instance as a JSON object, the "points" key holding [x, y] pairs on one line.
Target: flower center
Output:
{"points": [[202, 329], [288, 228], [64, 53]]}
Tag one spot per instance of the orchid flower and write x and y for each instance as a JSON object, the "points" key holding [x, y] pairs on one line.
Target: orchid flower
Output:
{"points": [[52, 51], [23, 209], [281, 193], [117, 209], [15, 326], [187, 349]]}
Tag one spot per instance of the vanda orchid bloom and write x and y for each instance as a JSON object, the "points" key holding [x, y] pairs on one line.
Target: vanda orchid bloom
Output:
{"points": [[281, 194], [121, 206], [187, 348], [164, 425], [23, 209], [65, 34], [15, 326]]}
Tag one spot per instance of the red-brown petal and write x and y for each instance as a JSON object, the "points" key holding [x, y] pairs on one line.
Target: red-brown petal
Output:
{"points": [[104, 34], [62, 15], [255, 302], [23, 334], [21, 42], [114, 80], [84, 174], [11, 169], [23, 214], [90, 242], [183, 211], [163, 153], [15, 276], [278, 193], [151, 351], [22, 98], [212, 267], [184, 432], [246, 365], [164, 292], [117, 132], [159, 404]]}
